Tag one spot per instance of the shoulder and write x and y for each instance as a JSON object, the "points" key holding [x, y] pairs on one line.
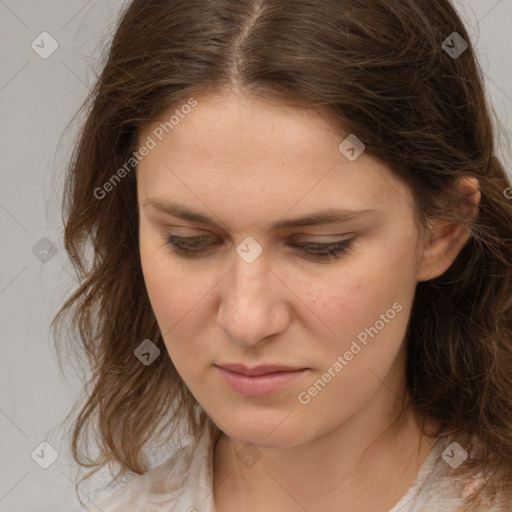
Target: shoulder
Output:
{"points": [[440, 488], [183, 482]]}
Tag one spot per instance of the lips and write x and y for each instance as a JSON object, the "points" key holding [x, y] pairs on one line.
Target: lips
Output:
{"points": [[261, 369], [260, 381]]}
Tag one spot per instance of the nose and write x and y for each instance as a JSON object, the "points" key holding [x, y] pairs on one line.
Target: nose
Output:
{"points": [[253, 302]]}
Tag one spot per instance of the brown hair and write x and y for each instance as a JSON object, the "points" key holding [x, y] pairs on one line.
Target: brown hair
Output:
{"points": [[380, 69]]}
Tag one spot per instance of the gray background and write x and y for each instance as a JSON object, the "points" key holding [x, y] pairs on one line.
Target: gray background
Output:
{"points": [[38, 98]]}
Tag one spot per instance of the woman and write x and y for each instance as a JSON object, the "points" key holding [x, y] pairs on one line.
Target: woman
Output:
{"points": [[302, 254]]}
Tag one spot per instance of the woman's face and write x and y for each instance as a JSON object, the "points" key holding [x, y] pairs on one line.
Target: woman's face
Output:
{"points": [[247, 295]]}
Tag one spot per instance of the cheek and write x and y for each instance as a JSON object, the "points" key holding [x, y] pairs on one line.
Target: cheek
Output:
{"points": [[366, 309], [352, 298], [172, 289], [180, 298], [350, 301], [175, 298], [345, 298]]}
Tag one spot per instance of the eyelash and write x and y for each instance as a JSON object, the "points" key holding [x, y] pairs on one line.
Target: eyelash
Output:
{"points": [[327, 252]]}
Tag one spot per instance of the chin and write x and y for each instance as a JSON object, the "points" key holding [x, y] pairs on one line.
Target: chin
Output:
{"points": [[267, 434]]}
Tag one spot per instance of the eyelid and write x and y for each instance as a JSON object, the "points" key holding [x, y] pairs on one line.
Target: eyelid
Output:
{"points": [[316, 252], [192, 229], [330, 237]]}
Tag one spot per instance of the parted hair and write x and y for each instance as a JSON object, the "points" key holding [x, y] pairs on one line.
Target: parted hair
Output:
{"points": [[384, 72]]}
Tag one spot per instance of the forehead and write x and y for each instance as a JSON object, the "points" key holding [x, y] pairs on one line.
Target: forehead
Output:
{"points": [[232, 125], [240, 150]]}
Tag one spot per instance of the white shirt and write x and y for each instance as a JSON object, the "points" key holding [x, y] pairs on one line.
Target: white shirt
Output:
{"points": [[184, 483]]}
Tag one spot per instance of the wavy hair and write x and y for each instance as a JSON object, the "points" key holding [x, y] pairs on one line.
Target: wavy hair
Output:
{"points": [[382, 71]]}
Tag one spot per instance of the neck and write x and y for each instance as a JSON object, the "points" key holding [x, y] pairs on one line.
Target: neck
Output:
{"points": [[348, 464]]}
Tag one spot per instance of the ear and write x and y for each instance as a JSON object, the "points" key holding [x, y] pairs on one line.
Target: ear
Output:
{"points": [[445, 239]]}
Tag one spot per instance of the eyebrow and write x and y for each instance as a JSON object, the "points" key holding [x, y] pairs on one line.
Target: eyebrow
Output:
{"points": [[326, 216]]}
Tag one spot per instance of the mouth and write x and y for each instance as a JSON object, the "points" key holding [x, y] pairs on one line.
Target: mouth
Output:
{"points": [[262, 369], [263, 380]]}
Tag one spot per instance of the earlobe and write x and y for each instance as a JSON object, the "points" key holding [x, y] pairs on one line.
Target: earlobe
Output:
{"points": [[445, 239]]}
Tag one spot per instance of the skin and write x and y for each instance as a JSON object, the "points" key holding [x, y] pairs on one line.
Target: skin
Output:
{"points": [[248, 163]]}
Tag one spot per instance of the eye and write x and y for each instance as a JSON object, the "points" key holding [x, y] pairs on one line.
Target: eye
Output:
{"points": [[192, 247], [325, 251]]}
